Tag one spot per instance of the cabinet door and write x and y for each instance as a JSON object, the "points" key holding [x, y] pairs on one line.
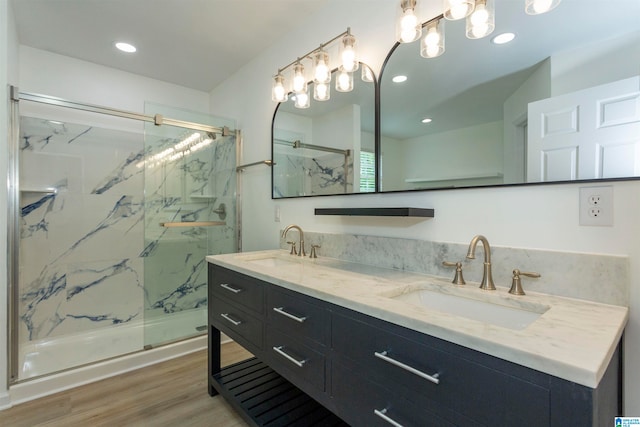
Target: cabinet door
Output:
{"points": [[237, 288], [430, 377], [237, 323], [297, 315]]}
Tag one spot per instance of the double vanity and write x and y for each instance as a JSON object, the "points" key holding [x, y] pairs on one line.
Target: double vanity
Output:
{"points": [[376, 346]]}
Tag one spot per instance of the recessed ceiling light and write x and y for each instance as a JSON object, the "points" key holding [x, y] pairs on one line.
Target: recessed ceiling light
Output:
{"points": [[399, 79], [126, 47], [427, 120], [503, 38]]}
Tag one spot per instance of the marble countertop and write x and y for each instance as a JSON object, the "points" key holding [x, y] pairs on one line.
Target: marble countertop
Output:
{"points": [[571, 339]]}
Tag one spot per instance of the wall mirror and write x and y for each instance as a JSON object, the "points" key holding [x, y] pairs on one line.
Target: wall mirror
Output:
{"points": [[329, 147], [561, 102]]}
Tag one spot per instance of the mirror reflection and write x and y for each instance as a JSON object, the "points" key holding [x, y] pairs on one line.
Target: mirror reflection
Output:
{"points": [[327, 147], [560, 102]]}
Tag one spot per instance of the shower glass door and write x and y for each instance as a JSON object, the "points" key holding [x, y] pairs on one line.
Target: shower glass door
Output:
{"points": [[190, 212]]}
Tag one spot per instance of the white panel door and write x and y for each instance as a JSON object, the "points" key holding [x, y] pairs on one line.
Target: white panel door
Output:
{"points": [[588, 134]]}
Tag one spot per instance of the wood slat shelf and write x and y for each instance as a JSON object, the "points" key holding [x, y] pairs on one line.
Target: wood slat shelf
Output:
{"points": [[264, 398], [401, 212]]}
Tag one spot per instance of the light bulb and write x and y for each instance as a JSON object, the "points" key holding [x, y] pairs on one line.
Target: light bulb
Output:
{"points": [[302, 100], [542, 6], [321, 92], [536, 7], [299, 82], [409, 30], [348, 58], [480, 30], [457, 9], [480, 16], [278, 93], [348, 53], [433, 42], [344, 82], [322, 74]]}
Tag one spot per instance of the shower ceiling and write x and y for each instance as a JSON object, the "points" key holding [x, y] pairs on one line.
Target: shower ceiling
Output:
{"points": [[192, 43]]}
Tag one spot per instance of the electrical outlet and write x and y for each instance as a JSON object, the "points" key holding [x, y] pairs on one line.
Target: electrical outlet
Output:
{"points": [[596, 206]]}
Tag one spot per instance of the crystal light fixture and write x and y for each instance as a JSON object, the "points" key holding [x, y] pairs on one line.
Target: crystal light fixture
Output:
{"points": [[278, 92], [481, 22], [299, 81], [321, 91], [458, 9], [348, 53], [322, 68], [432, 44], [322, 72], [344, 81], [408, 27], [536, 7]]}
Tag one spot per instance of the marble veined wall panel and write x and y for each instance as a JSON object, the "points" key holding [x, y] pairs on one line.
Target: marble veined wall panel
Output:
{"points": [[81, 228], [189, 188]]}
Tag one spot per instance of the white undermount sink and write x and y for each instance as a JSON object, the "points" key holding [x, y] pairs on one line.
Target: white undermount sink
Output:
{"points": [[274, 261], [484, 311]]}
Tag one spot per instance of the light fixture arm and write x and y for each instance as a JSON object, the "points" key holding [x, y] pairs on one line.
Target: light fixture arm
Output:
{"points": [[309, 55]]}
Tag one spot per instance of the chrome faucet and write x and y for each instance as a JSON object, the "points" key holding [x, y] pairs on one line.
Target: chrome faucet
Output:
{"points": [[301, 248], [487, 277]]}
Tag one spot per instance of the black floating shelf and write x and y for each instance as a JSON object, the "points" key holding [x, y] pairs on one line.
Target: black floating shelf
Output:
{"points": [[407, 212], [264, 398]]}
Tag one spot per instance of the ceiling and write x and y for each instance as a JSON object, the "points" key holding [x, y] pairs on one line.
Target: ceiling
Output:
{"points": [[192, 43]]}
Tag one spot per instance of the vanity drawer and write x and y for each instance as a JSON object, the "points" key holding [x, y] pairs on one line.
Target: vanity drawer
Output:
{"points": [[294, 360], [297, 315], [236, 287], [363, 403], [423, 373], [236, 322]]}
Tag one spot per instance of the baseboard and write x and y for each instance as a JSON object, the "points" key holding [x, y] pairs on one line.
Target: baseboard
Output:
{"points": [[5, 400]]}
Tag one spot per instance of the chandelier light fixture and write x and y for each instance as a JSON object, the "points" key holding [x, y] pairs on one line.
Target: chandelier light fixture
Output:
{"points": [[408, 27], [322, 67], [480, 22]]}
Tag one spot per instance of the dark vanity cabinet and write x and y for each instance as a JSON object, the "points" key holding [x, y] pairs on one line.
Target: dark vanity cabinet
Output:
{"points": [[370, 372]]}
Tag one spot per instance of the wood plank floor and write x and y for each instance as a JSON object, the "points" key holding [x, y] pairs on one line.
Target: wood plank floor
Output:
{"points": [[172, 393]]}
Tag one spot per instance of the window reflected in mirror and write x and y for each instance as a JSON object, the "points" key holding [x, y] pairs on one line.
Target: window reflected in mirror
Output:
{"points": [[327, 147]]}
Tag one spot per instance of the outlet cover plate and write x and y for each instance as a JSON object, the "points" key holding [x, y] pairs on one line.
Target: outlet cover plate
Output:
{"points": [[596, 206]]}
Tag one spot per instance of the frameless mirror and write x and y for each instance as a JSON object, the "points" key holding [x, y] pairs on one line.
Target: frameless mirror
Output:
{"points": [[561, 102], [329, 147]]}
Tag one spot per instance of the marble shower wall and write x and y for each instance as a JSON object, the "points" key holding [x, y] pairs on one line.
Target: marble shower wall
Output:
{"points": [[81, 228], [186, 190], [306, 176], [92, 252]]}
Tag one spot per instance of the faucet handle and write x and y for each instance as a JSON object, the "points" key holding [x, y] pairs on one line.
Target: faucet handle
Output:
{"points": [[516, 282], [293, 248], [457, 279], [313, 251]]}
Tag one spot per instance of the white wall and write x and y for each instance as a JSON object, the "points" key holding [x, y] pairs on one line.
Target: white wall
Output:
{"points": [[541, 217]]}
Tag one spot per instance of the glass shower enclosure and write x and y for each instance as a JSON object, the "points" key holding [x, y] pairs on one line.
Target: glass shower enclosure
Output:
{"points": [[115, 215]]}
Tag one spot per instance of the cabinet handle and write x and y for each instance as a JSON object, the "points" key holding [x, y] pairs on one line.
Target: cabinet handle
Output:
{"points": [[280, 310], [383, 414], [230, 288], [435, 378], [226, 317], [281, 352]]}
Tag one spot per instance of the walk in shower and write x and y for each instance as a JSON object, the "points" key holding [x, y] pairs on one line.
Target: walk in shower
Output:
{"points": [[113, 215]]}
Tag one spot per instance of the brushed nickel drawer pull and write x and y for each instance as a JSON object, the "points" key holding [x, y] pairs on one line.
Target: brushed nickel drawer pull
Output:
{"points": [[281, 352], [280, 310], [230, 288], [383, 414], [226, 317], [435, 378]]}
